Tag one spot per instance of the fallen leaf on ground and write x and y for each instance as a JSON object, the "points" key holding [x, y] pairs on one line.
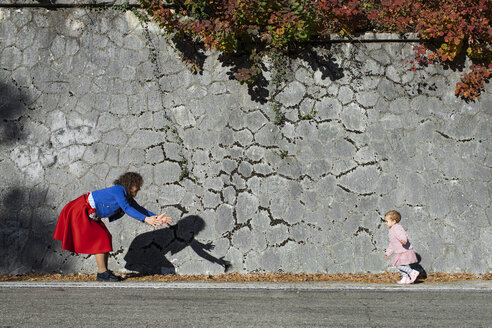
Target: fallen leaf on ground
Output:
{"points": [[385, 277]]}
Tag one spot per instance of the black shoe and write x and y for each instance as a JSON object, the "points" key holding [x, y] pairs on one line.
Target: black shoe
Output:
{"points": [[107, 276]]}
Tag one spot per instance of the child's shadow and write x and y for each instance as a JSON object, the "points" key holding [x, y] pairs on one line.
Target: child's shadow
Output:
{"points": [[147, 252], [419, 268]]}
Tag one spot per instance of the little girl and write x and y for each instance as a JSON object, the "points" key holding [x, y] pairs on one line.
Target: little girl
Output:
{"points": [[400, 245]]}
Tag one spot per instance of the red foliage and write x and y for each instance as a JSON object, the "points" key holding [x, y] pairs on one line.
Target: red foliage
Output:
{"points": [[453, 25], [396, 16], [334, 16], [231, 26], [472, 83]]}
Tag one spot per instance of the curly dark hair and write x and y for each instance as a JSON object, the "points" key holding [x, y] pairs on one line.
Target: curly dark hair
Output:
{"points": [[128, 180]]}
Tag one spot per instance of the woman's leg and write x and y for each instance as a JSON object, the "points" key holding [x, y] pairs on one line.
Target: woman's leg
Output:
{"points": [[103, 274], [102, 262], [106, 257]]}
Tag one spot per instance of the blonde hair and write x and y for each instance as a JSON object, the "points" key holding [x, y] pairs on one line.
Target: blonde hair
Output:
{"points": [[393, 216]]}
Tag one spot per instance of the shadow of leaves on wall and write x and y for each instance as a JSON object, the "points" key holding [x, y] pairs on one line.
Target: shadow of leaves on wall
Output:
{"points": [[193, 55], [46, 2], [147, 252], [12, 107], [26, 229], [258, 89], [422, 85], [325, 63]]}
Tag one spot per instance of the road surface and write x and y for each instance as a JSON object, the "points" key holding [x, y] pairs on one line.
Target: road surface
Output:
{"points": [[61, 306]]}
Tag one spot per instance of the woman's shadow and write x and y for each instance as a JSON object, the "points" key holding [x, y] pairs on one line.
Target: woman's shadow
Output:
{"points": [[147, 252]]}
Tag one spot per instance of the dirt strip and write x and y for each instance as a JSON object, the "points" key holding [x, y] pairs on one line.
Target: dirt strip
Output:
{"points": [[385, 277]]}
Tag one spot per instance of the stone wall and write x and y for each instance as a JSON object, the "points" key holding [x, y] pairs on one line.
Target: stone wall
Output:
{"points": [[86, 95]]}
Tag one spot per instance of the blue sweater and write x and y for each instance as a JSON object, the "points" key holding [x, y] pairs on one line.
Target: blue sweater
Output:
{"points": [[112, 203]]}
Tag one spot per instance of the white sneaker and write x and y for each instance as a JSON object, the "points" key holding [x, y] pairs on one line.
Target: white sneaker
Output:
{"points": [[413, 276], [404, 281]]}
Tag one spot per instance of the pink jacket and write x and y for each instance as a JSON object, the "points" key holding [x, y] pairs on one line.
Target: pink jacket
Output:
{"points": [[395, 234]]}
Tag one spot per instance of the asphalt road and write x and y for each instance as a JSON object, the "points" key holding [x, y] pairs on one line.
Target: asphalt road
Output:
{"points": [[117, 307]]}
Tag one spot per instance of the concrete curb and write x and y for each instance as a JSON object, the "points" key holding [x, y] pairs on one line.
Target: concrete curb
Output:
{"points": [[475, 285]]}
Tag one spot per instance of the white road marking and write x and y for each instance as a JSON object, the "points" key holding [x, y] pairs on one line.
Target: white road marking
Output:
{"points": [[474, 286]]}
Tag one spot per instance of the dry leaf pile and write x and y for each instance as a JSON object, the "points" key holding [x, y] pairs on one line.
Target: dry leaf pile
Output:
{"points": [[385, 277]]}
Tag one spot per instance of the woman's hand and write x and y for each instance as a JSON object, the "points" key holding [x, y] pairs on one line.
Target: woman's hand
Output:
{"points": [[153, 221], [163, 219], [158, 220]]}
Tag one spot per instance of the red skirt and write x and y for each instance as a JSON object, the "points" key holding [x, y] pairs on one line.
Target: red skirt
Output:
{"points": [[79, 233]]}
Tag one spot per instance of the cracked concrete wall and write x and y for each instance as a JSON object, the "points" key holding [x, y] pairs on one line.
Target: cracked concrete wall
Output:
{"points": [[87, 95]]}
